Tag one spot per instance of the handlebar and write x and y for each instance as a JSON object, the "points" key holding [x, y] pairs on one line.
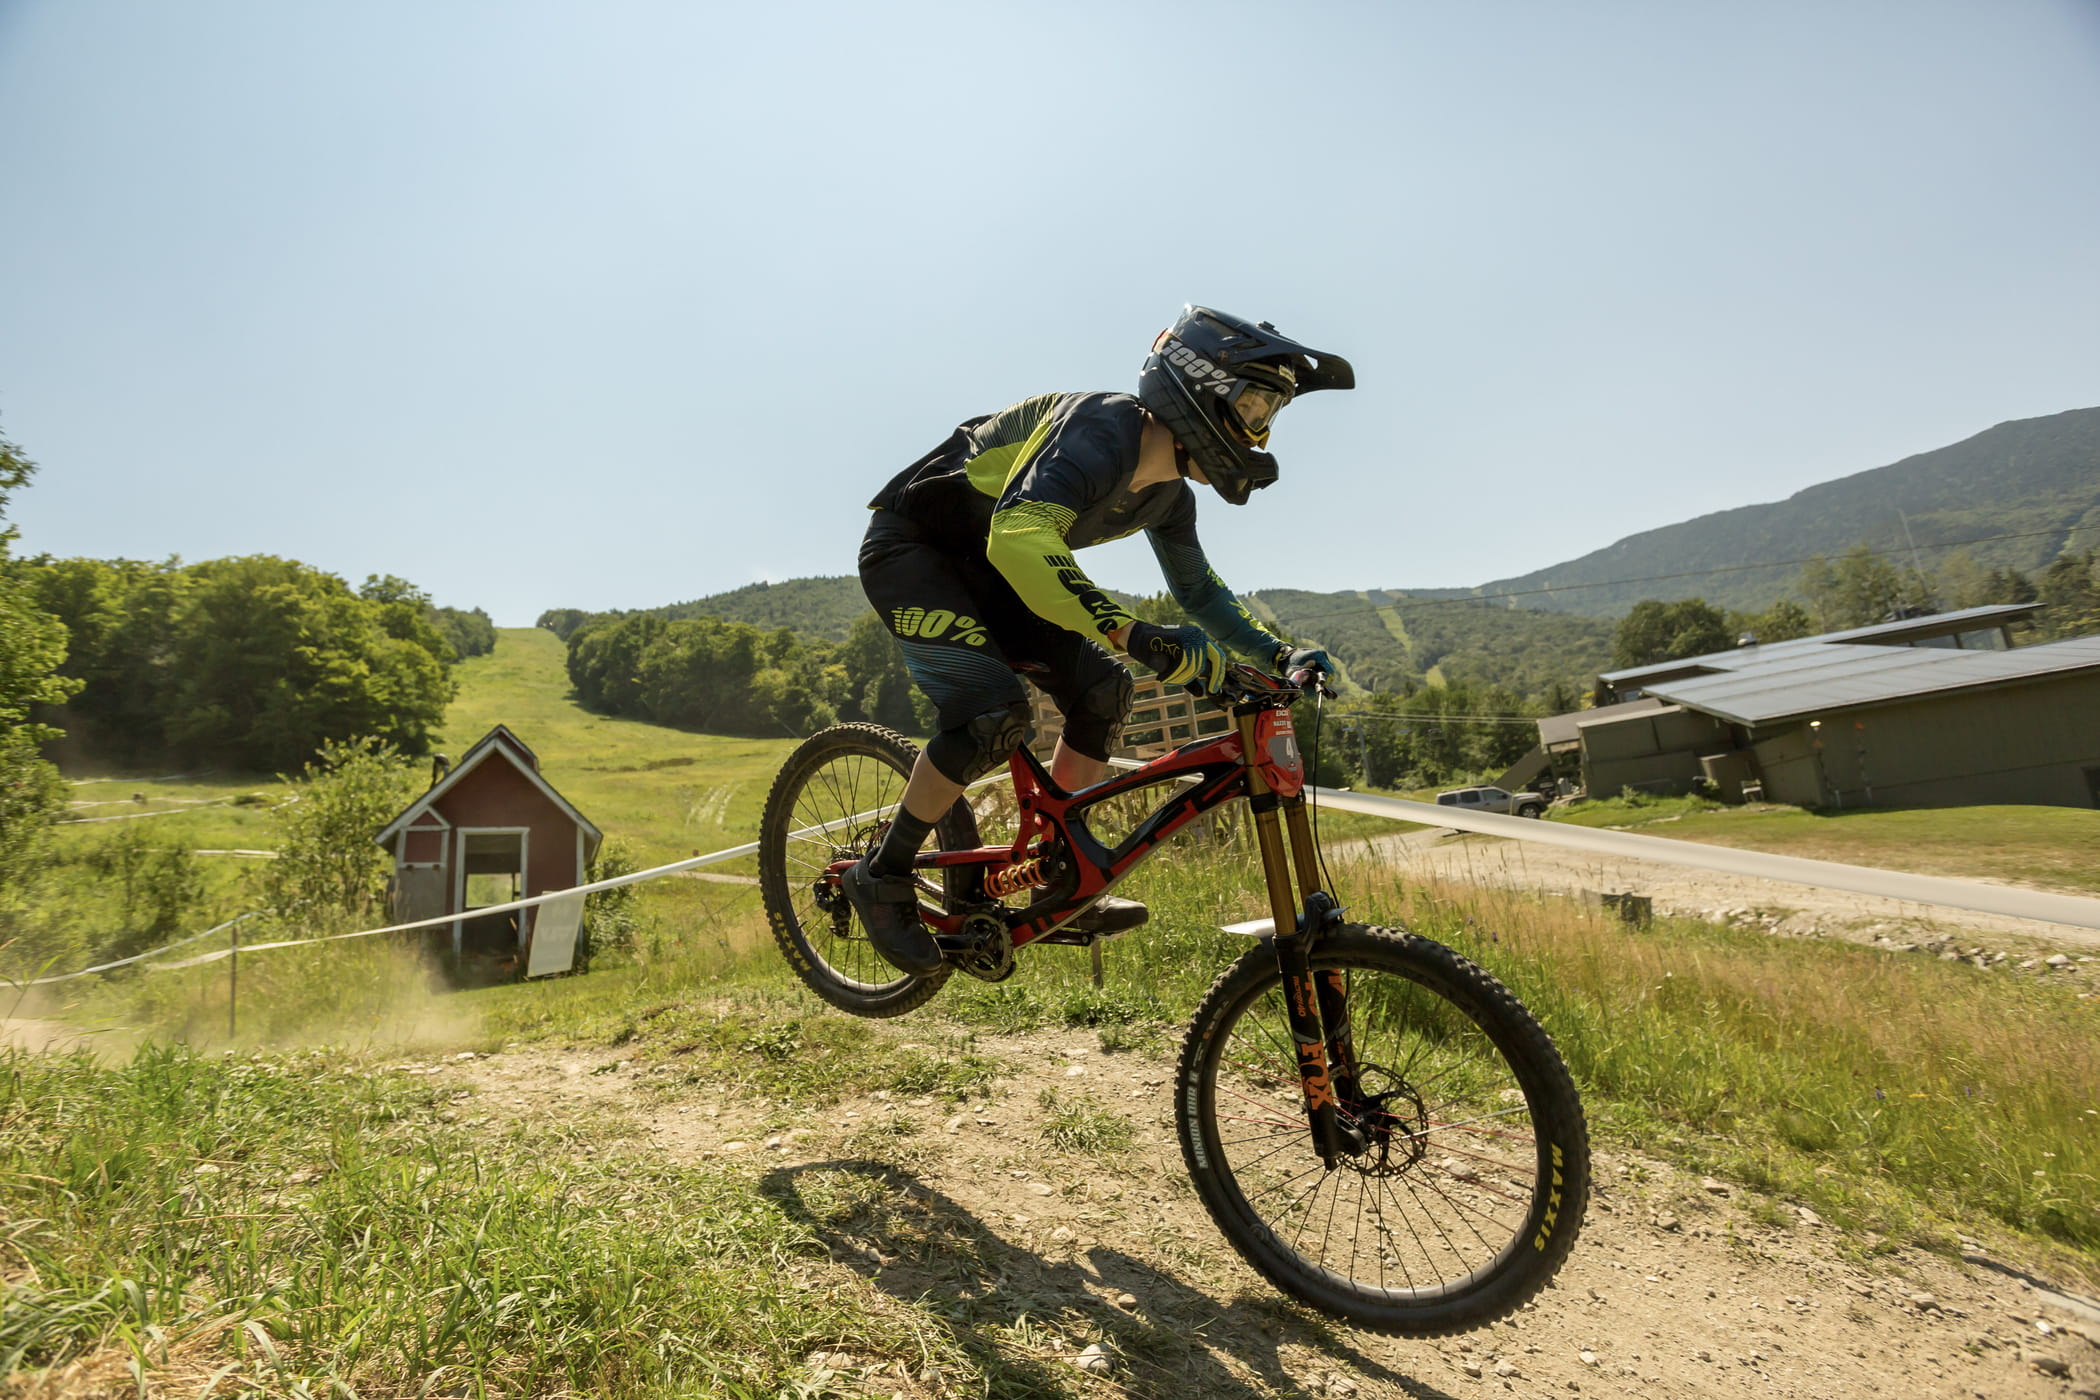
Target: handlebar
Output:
{"points": [[1243, 683]]}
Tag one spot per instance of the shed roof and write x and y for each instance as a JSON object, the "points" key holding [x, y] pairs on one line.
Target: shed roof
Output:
{"points": [[499, 743], [1882, 635], [1555, 730], [1826, 677]]}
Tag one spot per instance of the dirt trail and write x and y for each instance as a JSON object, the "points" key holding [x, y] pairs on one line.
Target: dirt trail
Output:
{"points": [[1788, 908], [1676, 1288]]}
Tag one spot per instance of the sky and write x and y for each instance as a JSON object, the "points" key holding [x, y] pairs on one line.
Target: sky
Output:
{"points": [[622, 303]]}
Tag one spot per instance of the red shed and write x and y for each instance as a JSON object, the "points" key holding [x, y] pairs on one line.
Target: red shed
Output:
{"points": [[490, 831]]}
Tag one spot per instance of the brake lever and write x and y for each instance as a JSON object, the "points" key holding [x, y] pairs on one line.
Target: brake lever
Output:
{"points": [[1312, 678]]}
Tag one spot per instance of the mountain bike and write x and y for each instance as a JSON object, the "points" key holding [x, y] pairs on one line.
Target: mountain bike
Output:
{"points": [[1374, 1122]]}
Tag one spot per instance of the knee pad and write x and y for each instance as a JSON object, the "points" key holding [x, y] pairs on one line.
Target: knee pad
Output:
{"points": [[969, 751], [1096, 726]]}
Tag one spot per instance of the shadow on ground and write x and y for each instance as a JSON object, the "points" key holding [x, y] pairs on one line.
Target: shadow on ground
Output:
{"points": [[923, 1248]]}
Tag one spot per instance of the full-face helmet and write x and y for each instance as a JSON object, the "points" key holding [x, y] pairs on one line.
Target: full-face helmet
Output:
{"points": [[1217, 383]]}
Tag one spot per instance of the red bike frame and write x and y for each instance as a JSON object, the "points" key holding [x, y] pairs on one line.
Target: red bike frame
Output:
{"points": [[1053, 822], [1258, 760]]}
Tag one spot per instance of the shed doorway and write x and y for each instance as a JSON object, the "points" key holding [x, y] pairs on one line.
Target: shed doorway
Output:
{"points": [[491, 871]]}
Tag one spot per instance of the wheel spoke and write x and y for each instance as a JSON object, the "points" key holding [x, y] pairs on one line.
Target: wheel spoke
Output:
{"points": [[1414, 1199]]}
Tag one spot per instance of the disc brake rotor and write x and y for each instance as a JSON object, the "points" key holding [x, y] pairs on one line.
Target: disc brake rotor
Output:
{"points": [[1391, 1118]]}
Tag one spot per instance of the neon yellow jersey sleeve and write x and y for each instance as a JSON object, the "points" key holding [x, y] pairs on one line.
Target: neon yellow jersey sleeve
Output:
{"points": [[1027, 546]]}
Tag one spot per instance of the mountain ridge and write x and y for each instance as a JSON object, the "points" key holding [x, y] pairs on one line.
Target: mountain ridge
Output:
{"points": [[2037, 479]]}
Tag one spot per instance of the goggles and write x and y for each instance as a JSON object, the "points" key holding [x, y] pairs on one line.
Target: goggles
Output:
{"points": [[1255, 404]]}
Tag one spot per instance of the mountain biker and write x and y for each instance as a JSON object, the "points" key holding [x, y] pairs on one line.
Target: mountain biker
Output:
{"points": [[968, 561]]}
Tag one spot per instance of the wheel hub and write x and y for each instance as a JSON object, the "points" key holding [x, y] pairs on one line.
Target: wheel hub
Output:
{"points": [[1389, 1119]]}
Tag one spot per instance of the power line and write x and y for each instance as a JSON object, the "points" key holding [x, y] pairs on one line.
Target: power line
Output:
{"points": [[1650, 578]]}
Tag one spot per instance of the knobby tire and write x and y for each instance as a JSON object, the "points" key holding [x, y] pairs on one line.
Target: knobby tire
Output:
{"points": [[1474, 1093], [840, 772]]}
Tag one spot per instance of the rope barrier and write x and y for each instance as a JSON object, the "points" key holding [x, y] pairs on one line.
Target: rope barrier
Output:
{"points": [[2073, 910], [655, 872], [149, 953]]}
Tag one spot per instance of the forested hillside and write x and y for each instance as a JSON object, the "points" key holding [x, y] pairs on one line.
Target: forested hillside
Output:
{"points": [[1391, 641], [822, 608], [253, 662], [2035, 478]]}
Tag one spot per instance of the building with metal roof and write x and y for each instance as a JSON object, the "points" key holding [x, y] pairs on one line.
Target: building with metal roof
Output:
{"points": [[1931, 711]]}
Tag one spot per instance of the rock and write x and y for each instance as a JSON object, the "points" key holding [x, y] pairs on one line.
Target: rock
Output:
{"points": [[1667, 1221], [1471, 1368], [1127, 1301], [734, 1146], [206, 1169], [954, 1125], [2048, 1365], [774, 1144], [1062, 1234], [464, 1055], [1808, 1217], [2057, 960], [1042, 1188], [1702, 1355], [1507, 1369], [1712, 1187], [1074, 1071], [1094, 1360], [1588, 1358], [1924, 1302], [1340, 1385]]}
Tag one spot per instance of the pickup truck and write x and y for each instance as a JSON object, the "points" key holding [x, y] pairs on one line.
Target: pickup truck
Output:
{"points": [[1493, 799]]}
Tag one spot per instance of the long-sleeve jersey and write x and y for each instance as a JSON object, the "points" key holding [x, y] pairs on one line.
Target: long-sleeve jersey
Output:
{"points": [[1027, 486]]}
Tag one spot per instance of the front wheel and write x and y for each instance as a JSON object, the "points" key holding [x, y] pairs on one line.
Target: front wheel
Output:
{"points": [[832, 801], [1464, 1183]]}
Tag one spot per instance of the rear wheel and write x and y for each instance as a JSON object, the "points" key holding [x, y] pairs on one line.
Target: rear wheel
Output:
{"points": [[832, 801], [1466, 1185]]}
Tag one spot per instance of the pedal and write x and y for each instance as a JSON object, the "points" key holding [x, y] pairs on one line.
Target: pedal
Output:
{"points": [[1109, 916]]}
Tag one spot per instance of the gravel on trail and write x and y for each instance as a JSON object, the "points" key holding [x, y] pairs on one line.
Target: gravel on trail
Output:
{"points": [[1777, 905], [1106, 1269]]}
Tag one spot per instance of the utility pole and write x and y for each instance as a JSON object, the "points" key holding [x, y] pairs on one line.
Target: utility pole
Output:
{"points": [[1917, 569]]}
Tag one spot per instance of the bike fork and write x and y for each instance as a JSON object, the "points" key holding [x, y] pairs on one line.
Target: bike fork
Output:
{"points": [[1315, 1005]]}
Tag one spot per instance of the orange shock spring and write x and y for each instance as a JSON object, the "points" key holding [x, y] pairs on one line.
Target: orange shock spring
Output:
{"points": [[1001, 883]]}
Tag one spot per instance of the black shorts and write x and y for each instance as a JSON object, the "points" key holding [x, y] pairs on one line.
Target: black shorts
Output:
{"points": [[965, 632]]}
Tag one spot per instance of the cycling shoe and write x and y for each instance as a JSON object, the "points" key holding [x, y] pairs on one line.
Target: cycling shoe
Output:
{"points": [[1109, 916], [888, 906]]}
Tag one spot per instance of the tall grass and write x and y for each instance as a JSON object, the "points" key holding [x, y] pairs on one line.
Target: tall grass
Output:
{"points": [[299, 1225], [1884, 1088]]}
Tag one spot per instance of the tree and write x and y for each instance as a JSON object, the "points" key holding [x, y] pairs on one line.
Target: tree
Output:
{"points": [[2069, 592], [272, 659], [704, 673], [1436, 735], [253, 662], [1861, 588], [467, 633], [877, 683], [1655, 631], [1784, 621], [327, 868], [32, 648]]}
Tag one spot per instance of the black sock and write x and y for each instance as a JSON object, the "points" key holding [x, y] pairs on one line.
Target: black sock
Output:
{"points": [[906, 834]]}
